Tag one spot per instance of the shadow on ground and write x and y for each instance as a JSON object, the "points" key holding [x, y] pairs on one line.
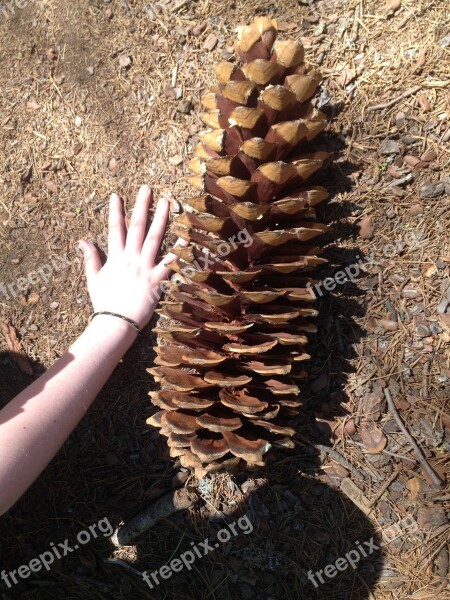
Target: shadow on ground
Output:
{"points": [[113, 465]]}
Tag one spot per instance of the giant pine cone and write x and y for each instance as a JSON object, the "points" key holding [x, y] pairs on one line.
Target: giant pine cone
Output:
{"points": [[233, 341]]}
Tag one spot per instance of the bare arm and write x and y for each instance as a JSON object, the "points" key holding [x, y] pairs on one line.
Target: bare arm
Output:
{"points": [[35, 424]]}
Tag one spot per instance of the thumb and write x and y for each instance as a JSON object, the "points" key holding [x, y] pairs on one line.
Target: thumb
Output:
{"points": [[92, 260]]}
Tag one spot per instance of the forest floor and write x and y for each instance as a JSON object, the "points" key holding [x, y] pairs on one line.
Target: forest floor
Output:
{"points": [[99, 96]]}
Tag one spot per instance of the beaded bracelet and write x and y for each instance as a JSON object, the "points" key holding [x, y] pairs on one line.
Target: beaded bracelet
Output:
{"points": [[112, 314]]}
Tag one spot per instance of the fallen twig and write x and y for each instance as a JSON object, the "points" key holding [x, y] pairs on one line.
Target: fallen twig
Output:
{"points": [[385, 486], [417, 451], [162, 508], [179, 6], [410, 92], [425, 373], [333, 454]]}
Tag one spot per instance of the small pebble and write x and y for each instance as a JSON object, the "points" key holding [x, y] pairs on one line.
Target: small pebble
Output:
{"points": [[397, 191], [389, 147], [388, 325], [446, 182], [415, 210], [184, 106], [431, 189], [400, 120], [422, 331], [124, 61], [199, 29], [445, 41], [366, 228], [428, 156]]}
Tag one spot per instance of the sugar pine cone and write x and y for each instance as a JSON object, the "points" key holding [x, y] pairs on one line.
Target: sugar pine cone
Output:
{"points": [[234, 323]]}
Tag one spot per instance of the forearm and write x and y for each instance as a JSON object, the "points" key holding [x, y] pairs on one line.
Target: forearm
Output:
{"points": [[35, 424]]}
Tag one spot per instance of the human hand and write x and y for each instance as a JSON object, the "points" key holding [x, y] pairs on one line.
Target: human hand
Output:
{"points": [[128, 283]]}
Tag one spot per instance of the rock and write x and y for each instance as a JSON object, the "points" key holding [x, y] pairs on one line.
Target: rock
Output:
{"points": [[422, 330], [415, 210], [366, 228], [394, 171], [424, 102], [388, 325], [199, 29], [184, 107], [428, 156], [391, 427], [78, 147], [113, 166], [411, 160], [51, 186], [431, 518], [350, 427], [431, 189], [446, 182], [124, 61], [389, 147], [445, 41], [397, 191], [400, 120]]}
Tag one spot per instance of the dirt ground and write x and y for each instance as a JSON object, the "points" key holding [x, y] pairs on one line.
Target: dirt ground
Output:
{"points": [[103, 95]]}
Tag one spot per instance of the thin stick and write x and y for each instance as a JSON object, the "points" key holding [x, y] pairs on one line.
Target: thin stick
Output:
{"points": [[385, 486], [410, 92], [333, 454], [162, 508], [180, 5], [417, 451]]}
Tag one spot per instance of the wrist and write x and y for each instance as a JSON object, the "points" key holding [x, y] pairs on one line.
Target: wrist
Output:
{"points": [[112, 329]]}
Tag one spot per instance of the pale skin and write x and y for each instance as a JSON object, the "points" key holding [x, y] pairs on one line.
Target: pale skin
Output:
{"points": [[35, 424]]}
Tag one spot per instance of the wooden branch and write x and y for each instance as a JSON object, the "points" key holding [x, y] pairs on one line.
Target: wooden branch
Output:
{"points": [[334, 455], [395, 100], [417, 451], [162, 508]]}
